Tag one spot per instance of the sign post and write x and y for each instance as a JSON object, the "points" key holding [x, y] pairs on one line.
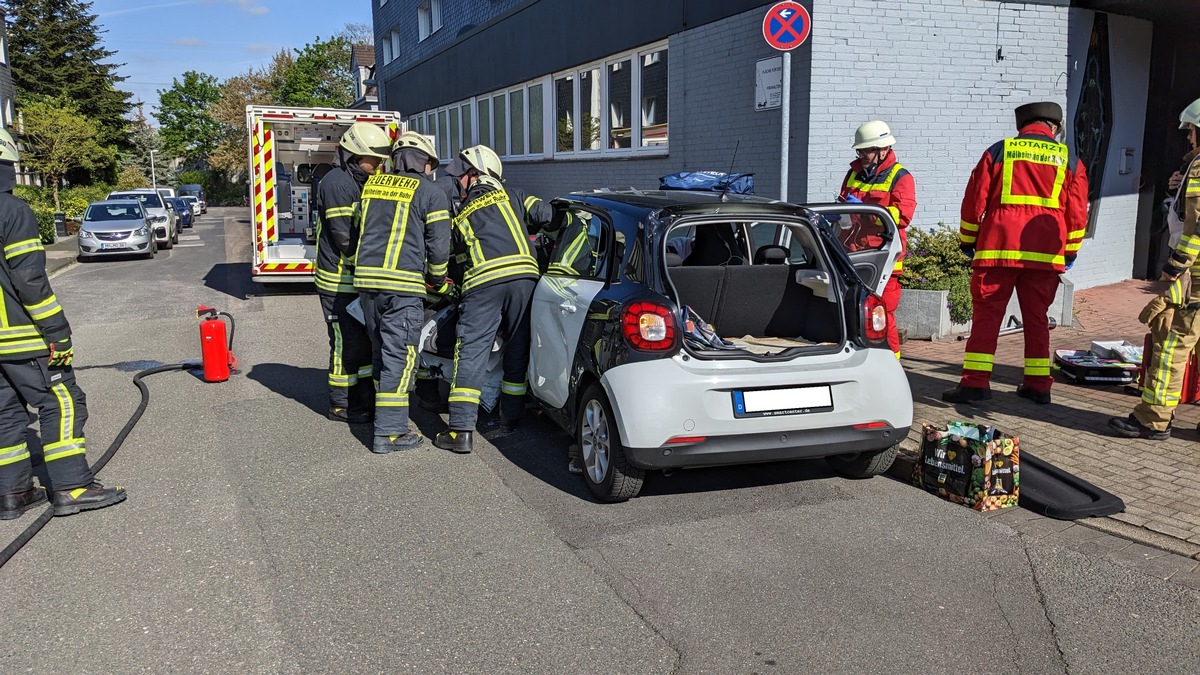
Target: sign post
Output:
{"points": [[786, 26]]}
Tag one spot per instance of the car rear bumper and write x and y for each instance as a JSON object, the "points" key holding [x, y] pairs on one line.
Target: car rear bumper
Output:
{"points": [[656, 402], [766, 447], [88, 248]]}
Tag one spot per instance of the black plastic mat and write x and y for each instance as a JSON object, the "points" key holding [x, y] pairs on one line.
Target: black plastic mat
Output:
{"points": [[1052, 492]]}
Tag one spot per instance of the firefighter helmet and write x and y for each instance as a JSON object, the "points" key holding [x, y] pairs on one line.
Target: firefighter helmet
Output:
{"points": [[366, 140], [412, 139], [873, 134], [1190, 115], [1044, 110], [8, 148], [484, 160]]}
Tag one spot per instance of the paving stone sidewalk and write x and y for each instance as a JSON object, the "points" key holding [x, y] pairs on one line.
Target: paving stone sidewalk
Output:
{"points": [[1159, 481]]}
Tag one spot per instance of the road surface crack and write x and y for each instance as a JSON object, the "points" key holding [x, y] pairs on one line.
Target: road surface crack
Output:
{"points": [[634, 590], [1041, 598]]}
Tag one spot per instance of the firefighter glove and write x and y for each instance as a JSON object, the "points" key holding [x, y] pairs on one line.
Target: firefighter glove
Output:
{"points": [[968, 251], [441, 286], [851, 199], [61, 353]]}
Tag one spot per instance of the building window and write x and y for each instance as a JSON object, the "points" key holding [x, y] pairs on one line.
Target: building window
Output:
{"points": [[485, 121], [499, 128], [395, 44], [516, 122], [536, 121], [386, 48], [564, 113], [620, 103], [468, 130], [654, 99], [429, 18]]}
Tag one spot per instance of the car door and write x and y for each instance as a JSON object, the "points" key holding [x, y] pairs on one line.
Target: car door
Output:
{"points": [[561, 300], [869, 236]]}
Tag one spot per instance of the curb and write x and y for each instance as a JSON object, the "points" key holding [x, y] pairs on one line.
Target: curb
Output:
{"points": [[902, 469]]}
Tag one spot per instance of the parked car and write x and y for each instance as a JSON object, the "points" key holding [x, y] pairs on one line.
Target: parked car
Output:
{"points": [[197, 191], [679, 329], [167, 193], [193, 203], [184, 211], [114, 228], [166, 231]]}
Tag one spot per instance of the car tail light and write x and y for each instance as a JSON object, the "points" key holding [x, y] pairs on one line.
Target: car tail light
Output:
{"points": [[875, 319], [686, 440], [649, 326], [870, 425]]}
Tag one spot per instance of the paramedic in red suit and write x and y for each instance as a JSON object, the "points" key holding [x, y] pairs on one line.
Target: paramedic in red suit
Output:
{"points": [[1023, 219], [877, 178]]}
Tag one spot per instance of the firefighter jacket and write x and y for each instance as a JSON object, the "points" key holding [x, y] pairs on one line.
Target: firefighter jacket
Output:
{"points": [[1183, 258], [31, 316], [338, 194], [404, 234], [492, 234], [1026, 203], [891, 186]]}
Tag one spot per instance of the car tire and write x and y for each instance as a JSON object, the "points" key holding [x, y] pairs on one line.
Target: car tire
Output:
{"points": [[153, 250], [175, 237], [609, 476], [864, 464], [83, 258]]}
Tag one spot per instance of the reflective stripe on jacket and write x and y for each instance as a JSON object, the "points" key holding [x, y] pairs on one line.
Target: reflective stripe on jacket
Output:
{"points": [[1026, 203], [337, 198], [1183, 258], [404, 234], [492, 232], [891, 186], [30, 316]]}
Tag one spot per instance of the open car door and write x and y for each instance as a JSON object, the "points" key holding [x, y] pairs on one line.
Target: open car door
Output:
{"points": [[869, 236], [560, 305]]}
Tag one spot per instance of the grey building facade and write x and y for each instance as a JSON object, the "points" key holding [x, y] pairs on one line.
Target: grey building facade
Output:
{"points": [[582, 95]]}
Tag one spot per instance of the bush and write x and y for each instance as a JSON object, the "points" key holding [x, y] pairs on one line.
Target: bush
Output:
{"points": [[45, 221], [75, 200], [934, 262], [34, 196]]}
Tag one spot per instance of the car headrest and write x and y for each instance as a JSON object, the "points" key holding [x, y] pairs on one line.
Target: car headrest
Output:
{"points": [[673, 260], [771, 254]]}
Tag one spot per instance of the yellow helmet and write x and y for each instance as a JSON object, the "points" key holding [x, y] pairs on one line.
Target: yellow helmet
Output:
{"points": [[366, 140], [411, 139], [8, 148], [484, 160]]}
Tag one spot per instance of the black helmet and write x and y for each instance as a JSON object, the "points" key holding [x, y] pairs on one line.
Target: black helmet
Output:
{"points": [[1044, 110]]}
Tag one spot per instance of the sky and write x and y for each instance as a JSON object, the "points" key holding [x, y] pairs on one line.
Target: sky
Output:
{"points": [[158, 40]]}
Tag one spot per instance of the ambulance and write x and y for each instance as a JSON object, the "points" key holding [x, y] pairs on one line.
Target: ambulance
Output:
{"points": [[291, 149]]}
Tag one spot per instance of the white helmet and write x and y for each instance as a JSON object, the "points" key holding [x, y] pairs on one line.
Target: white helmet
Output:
{"points": [[8, 148], [366, 140], [873, 134], [1190, 115], [484, 160]]}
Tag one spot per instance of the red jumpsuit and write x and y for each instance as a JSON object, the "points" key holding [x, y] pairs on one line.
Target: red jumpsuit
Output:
{"points": [[892, 187], [1024, 214]]}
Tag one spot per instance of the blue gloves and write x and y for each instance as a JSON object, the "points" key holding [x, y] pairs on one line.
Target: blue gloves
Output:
{"points": [[851, 199], [1070, 262]]}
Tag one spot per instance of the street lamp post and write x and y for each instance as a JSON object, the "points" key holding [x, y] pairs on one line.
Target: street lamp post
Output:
{"points": [[153, 179]]}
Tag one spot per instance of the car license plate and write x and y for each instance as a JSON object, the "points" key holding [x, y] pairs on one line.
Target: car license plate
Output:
{"points": [[789, 401], [111, 247]]}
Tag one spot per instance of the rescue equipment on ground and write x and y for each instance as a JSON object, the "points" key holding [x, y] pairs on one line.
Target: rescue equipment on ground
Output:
{"points": [[1082, 366], [216, 351]]}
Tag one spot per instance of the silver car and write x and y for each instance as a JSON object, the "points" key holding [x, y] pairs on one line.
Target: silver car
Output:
{"points": [[117, 227], [164, 222]]}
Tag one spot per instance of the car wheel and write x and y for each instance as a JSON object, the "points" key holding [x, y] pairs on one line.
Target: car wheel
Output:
{"points": [[82, 258], [609, 476], [864, 464], [175, 237]]}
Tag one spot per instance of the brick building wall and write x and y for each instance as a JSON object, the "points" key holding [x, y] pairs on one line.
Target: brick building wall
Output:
{"points": [[930, 71]]}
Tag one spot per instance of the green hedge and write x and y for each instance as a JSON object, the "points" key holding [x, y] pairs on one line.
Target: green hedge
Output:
{"points": [[45, 221], [935, 262]]}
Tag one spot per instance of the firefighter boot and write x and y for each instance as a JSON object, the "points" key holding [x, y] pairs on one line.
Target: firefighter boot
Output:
{"points": [[86, 498], [350, 416], [1038, 397], [12, 506], [1130, 427], [385, 444], [961, 394], [455, 441]]}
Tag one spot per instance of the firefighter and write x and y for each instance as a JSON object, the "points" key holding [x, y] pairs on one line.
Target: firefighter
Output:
{"points": [[1023, 218], [1169, 354], [492, 229], [35, 361], [364, 148], [877, 178], [403, 245]]}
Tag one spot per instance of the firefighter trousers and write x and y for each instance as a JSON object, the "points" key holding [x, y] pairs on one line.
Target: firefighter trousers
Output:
{"points": [[1165, 365], [991, 289], [499, 310], [62, 411], [350, 384], [394, 326]]}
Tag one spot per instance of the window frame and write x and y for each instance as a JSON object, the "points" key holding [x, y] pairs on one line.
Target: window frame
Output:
{"points": [[429, 19]]}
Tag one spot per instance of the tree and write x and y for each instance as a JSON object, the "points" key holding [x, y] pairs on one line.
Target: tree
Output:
{"points": [[357, 34], [187, 129], [320, 76], [57, 138], [146, 145], [256, 86], [55, 50]]}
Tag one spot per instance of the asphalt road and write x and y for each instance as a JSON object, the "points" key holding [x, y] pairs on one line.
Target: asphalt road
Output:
{"points": [[260, 537]]}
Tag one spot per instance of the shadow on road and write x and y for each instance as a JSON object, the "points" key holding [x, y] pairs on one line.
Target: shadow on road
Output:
{"points": [[232, 279], [303, 385]]}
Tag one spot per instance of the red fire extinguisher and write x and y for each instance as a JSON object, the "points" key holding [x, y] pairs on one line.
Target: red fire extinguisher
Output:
{"points": [[215, 350]]}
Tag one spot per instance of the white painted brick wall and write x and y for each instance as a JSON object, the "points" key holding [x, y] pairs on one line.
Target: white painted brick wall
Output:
{"points": [[930, 71]]}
